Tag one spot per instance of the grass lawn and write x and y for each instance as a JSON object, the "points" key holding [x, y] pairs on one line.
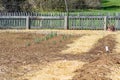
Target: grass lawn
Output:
{"points": [[106, 6], [111, 5]]}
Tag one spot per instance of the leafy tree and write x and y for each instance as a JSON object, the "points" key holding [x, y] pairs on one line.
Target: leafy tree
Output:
{"points": [[46, 5]]}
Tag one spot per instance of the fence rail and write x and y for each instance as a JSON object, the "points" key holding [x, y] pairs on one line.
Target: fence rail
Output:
{"points": [[57, 14], [57, 21]]}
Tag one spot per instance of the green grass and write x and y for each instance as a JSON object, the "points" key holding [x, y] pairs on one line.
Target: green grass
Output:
{"points": [[37, 40], [108, 3], [111, 5], [64, 37], [50, 35], [106, 6]]}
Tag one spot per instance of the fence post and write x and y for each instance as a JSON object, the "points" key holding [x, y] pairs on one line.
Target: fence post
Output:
{"points": [[105, 23], [27, 22], [117, 21], [66, 26]]}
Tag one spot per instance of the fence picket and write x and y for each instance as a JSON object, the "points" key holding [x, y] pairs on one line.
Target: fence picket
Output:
{"points": [[81, 20]]}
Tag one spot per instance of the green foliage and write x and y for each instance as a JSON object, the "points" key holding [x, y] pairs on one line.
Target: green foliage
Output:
{"points": [[107, 6], [111, 5], [47, 37], [51, 35], [45, 5], [108, 3], [59, 5], [37, 40], [64, 37]]}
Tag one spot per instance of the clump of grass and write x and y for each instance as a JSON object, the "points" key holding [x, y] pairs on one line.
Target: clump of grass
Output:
{"points": [[47, 37], [28, 44], [64, 37], [37, 40], [55, 34], [51, 35], [42, 39]]}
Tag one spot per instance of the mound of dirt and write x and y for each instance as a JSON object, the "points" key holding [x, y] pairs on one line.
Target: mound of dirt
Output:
{"points": [[100, 63], [21, 54], [99, 47], [98, 69]]}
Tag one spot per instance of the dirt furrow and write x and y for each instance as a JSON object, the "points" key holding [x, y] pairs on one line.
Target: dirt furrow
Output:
{"points": [[101, 63], [83, 44], [117, 47], [63, 69], [59, 58]]}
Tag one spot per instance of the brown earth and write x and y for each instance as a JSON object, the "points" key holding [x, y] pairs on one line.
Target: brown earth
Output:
{"points": [[18, 50], [100, 63], [21, 49]]}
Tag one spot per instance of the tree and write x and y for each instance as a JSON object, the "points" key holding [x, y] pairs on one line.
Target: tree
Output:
{"points": [[10, 5], [93, 3], [46, 5]]}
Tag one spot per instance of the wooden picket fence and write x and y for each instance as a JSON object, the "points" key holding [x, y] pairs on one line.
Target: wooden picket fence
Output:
{"points": [[25, 20]]}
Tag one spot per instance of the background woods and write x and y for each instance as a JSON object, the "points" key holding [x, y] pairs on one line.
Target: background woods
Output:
{"points": [[46, 5]]}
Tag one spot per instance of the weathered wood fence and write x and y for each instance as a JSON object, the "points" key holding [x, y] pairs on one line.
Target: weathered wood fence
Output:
{"points": [[61, 21]]}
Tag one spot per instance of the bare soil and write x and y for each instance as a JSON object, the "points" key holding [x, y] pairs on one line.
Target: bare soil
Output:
{"points": [[100, 61], [20, 50]]}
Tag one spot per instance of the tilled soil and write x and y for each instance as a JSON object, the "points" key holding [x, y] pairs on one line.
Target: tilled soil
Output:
{"points": [[18, 51], [100, 63], [82, 44]]}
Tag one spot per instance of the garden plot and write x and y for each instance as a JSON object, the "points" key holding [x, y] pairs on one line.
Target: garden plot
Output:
{"points": [[102, 66], [36, 56], [83, 44], [23, 53], [117, 48], [59, 70]]}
